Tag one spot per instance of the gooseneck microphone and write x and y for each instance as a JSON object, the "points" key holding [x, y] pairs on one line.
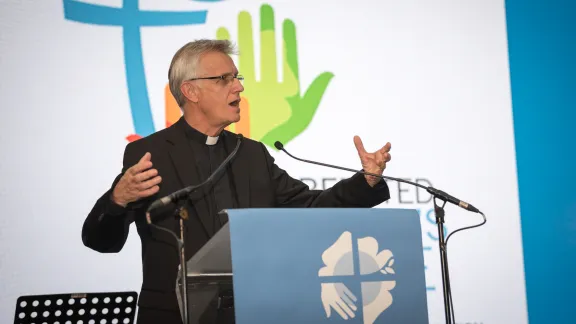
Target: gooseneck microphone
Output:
{"points": [[438, 211], [185, 192], [433, 191]]}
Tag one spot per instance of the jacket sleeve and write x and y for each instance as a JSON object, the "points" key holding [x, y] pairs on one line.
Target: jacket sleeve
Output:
{"points": [[352, 192], [107, 225]]}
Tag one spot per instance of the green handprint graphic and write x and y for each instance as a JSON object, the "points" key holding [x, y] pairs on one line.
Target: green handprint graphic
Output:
{"points": [[277, 111]]}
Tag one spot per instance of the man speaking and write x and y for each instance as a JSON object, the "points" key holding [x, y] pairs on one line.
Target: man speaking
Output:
{"points": [[205, 83]]}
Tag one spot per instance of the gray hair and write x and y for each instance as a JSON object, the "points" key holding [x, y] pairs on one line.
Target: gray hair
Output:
{"points": [[184, 64]]}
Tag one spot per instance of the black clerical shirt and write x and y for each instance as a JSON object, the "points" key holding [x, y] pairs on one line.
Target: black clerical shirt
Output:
{"points": [[209, 153]]}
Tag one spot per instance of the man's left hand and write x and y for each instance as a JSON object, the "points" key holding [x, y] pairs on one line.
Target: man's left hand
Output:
{"points": [[373, 162]]}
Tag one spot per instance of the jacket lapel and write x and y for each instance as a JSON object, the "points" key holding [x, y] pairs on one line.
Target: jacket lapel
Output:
{"points": [[239, 172], [185, 165]]}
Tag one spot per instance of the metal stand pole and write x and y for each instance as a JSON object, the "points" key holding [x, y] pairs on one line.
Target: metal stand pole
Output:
{"points": [[183, 272], [439, 212]]}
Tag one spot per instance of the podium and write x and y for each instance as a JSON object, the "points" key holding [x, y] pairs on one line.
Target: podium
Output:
{"points": [[310, 265]]}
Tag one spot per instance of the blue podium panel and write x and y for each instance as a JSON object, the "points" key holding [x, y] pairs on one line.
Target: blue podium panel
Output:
{"points": [[341, 265]]}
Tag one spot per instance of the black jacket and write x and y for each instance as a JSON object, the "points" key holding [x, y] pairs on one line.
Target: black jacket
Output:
{"points": [[259, 183]]}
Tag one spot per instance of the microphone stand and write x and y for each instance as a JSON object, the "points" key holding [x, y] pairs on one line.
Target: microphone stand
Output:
{"points": [[180, 197], [438, 211], [182, 214]]}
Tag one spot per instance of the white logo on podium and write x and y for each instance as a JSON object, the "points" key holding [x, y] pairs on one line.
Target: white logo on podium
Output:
{"points": [[339, 261]]}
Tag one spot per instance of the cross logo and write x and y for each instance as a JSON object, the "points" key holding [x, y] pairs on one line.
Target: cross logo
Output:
{"points": [[342, 261]]}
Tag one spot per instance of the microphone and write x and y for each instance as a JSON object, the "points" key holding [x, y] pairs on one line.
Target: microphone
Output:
{"points": [[433, 191], [185, 192]]}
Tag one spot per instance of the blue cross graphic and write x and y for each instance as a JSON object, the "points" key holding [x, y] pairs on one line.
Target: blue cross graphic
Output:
{"points": [[131, 18]]}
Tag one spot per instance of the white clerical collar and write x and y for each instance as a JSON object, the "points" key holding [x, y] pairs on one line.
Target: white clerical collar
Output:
{"points": [[211, 140]]}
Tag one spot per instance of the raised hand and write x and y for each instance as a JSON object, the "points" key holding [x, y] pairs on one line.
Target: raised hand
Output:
{"points": [[277, 110], [338, 297], [373, 162], [139, 181]]}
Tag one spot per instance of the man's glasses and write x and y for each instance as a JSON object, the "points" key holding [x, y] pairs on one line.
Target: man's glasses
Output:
{"points": [[227, 78]]}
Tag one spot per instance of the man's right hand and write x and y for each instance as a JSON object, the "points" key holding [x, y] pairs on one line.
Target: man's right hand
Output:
{"points": [[139, 181]]}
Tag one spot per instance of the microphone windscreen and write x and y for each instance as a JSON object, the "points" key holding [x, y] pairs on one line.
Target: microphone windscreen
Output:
{"points": [[278, 146]]}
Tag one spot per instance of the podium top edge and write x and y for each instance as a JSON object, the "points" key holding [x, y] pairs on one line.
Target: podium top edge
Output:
{"points": [[324, 209]]}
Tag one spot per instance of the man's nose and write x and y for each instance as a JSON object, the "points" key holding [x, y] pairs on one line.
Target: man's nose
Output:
{"points": [[237, 86]]}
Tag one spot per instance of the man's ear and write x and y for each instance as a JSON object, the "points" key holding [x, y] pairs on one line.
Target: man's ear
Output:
{"points": [[190, 91]]}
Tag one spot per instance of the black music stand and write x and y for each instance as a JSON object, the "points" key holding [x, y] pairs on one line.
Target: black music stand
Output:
{"points": [[90, 308]]}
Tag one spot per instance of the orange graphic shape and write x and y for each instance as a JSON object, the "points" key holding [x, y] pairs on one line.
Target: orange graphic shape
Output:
{"points": [[172, 110], [173, 113], [243, 126], [133, 137]]}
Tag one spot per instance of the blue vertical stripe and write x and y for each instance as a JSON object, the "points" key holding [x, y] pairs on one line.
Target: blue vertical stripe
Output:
{"points": [[542, 49]]}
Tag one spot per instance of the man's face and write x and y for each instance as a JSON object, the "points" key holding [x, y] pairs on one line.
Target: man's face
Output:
{"points": [[219, 99]]}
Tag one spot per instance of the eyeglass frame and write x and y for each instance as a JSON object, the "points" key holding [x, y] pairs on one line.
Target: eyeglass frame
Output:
{"points": [[220, 77]]}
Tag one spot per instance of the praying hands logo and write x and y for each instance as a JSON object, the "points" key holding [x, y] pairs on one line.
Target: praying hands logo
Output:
{"points": [[339, 261]]}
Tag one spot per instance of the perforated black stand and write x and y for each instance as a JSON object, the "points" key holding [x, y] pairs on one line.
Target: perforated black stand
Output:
{"points": [[86, 308]]}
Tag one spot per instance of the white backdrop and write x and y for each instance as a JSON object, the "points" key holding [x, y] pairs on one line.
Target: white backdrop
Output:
{"points": [[431, 77]]}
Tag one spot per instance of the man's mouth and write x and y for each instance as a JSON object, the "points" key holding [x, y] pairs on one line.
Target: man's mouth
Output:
{"points": [[235, 103]]}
